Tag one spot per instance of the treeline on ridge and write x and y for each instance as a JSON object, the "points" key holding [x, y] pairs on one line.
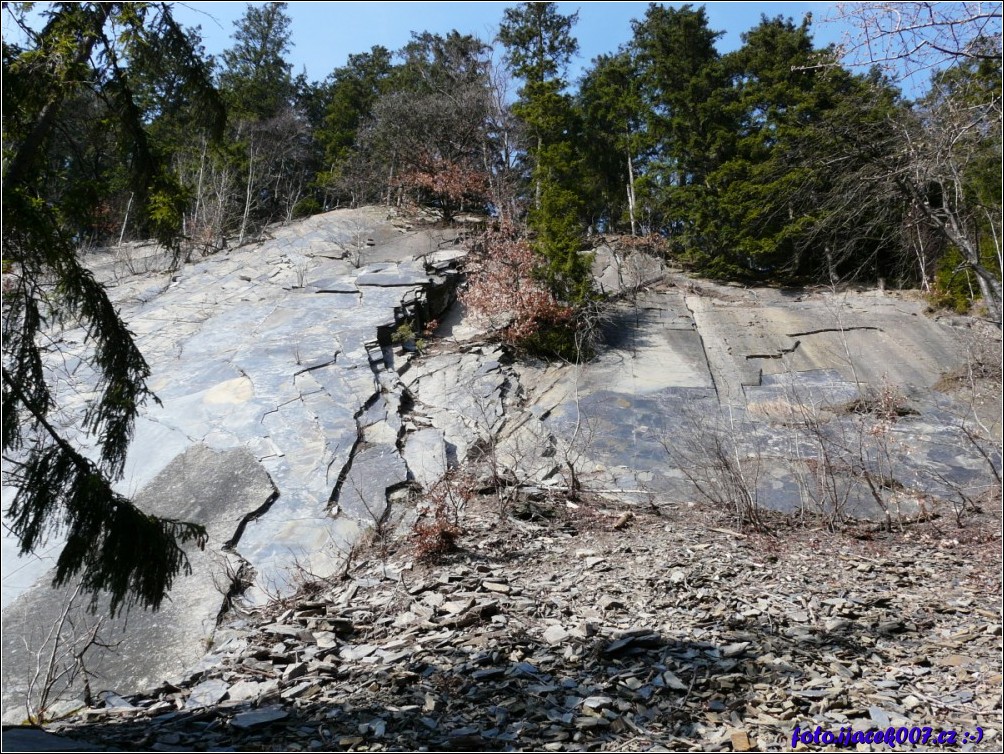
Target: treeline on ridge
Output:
{"points": [[771, 162]]}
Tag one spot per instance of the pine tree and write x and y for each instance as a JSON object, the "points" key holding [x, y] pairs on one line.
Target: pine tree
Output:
{"points": [[256, 78], [539, 45], [688, 131], [757, 209]]}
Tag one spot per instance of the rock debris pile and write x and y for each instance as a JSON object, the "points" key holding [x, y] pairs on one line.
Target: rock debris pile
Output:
{"points": [[553, 630]]}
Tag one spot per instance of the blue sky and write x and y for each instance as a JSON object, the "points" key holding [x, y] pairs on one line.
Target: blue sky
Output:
{"points": [[325, 33]]}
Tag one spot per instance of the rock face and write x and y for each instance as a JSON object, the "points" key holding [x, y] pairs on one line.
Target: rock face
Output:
{"points": [[823, 402], [280, 407], [297, 412]]}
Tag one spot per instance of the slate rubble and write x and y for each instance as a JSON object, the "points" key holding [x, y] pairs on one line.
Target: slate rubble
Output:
{"points": [[566, 634]]}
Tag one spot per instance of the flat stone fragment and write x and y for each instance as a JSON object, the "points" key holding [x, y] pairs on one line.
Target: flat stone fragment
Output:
{"points": [[207, 693], [555, 634], [425, 454], [352, 653], [257, 718], [244, 690], [391, 279], [328, 285], [740, 741]]}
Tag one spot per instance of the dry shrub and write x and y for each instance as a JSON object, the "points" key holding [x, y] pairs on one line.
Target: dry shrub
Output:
{"points": [[451, 183], [777, 411], [435, 538], [652, 244], [504, 288], [887, 404], [437, 532]]}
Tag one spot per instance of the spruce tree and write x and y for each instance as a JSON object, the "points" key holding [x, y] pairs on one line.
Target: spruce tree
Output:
{"points": [[687, 126], [256, 77], [539, 45], [111, 545]]}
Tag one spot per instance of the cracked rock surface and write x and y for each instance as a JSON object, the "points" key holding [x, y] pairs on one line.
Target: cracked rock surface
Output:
{"points": [[779, 384], [273, 365], [295, 417]]}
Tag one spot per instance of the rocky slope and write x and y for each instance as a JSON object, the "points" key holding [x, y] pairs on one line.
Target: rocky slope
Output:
{"points": [[693, 593], [596, 626], [278, 425]]}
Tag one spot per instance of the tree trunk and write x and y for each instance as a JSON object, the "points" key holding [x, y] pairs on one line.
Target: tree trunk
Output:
{"points": [[198, 190], [247, 197], [125, 220], [390, 182], [630, 192], [537, 188]]}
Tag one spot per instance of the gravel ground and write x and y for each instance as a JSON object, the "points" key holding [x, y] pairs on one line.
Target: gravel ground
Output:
{"points": [[600, 627]]}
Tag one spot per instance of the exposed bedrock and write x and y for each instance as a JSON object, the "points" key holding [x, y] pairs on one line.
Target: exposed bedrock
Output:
{"points": [[295, 414], [219, 488], [805, 401], [279, 426]]}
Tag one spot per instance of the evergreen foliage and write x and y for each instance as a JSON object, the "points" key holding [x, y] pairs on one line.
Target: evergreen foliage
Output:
{"points": [[613, 140], [539, 44], [688, 134], [352, 91], [110, 544], [256, 77]]}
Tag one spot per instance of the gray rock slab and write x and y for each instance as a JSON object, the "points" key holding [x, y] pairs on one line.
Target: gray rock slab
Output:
{"points": [[398, 247], [409, 268], [529, 451], [207, 693], [440, 259], [425, 454], [616, 271], [772, 362], [258, 717], [165, 443], [217, 490], [869, 338], [391, 279], [817, 388], [374, 471], [333, 285], [650, 347]]}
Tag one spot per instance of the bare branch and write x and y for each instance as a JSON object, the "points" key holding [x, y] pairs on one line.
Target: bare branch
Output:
{"points": [[913, 37]]}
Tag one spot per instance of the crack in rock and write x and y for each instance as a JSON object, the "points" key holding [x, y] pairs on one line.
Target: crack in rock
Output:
{"points": [[834, 330], [255, 514], [779, 355]]}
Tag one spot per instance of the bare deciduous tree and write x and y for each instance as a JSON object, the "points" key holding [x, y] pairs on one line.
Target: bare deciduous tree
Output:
{"points": [[924, 173], [58, 660], [918, 37]]}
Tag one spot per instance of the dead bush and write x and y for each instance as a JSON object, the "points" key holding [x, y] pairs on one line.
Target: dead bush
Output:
{"points": [[436, 537]]}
